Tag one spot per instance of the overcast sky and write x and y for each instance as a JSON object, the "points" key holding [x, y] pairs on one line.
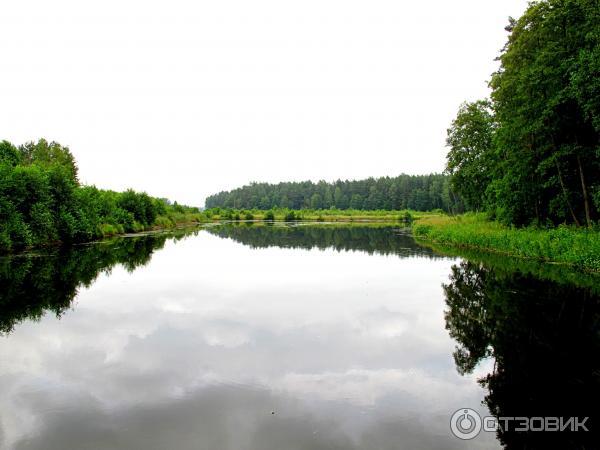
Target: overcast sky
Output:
{"points": [[186, 98]]}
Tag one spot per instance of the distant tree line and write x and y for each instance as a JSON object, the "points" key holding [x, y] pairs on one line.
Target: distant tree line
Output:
{"points": [[416, 192], [531, 154], [42, 201]]}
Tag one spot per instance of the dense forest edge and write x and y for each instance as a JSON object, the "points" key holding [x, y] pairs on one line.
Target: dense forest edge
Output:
{"points": [[528, 158], [530, 154], [42, 201], [404, 192]]}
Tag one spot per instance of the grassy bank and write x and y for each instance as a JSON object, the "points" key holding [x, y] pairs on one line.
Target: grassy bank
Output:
{"points": [[322, 215], [566, 245], [163, 222]]}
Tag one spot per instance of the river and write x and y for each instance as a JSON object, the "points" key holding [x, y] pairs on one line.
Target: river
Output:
{"points": [[314, 336]]}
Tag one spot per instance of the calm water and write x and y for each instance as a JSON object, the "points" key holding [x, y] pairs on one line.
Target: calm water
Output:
{"points": [[287, 337]]}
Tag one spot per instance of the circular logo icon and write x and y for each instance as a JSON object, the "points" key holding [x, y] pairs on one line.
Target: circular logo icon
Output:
{"points": [[465, 423]]}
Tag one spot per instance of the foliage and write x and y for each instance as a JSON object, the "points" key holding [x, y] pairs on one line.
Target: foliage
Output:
{"points": [[542, 162], [468, 161], [41, 201], [326, 215], [407, 217], [290, 216], [421, 193]]}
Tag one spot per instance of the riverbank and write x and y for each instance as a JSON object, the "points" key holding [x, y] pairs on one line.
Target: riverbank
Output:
{"points": [[320, 215], [106, 231], [578, 247], [180, 217], [164, 222]]}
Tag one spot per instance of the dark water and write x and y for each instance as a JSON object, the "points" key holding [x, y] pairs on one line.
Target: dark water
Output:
{"points": [[289, 337]]}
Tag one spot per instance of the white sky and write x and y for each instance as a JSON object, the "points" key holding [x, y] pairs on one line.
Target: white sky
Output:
{"points": [[186, 98]]}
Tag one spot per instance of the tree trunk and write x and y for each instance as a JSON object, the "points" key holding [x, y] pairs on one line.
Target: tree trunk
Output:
{"points": [[586, 201], [562, 185]]}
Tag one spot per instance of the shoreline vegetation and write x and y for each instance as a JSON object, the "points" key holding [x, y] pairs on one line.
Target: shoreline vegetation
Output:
{"points": [[566, 244], [42, 202], [465, 235], [315, 215], [174, 216]]}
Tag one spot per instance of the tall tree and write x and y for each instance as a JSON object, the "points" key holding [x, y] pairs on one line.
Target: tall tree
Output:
{"points": [[470, 138], [546, 97]]}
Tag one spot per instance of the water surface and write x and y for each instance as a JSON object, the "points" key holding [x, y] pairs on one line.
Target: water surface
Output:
{"points": [[271, 337]]}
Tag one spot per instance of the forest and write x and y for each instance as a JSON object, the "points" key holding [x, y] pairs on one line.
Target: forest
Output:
{"points": [[415, 192], [42, 201], [530, 155]]}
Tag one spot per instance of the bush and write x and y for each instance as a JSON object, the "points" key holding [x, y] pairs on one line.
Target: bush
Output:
{"points": [[290, 216], [108, 229], [41, 201], [140, 205]]}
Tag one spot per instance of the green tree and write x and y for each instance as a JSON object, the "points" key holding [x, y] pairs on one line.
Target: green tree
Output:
{"points": [[546, 96], [356, 201], [49, 154], [9, 154], [316, 202], [469, 161]]}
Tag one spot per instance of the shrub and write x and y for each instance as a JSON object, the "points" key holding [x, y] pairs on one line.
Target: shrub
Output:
{"points": [[41, 201]]}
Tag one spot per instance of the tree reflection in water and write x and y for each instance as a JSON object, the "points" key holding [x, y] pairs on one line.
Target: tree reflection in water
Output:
{"points": [[544, 339], [48, 282]]}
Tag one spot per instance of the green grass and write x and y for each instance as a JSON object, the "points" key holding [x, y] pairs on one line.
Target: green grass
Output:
{"points": [[578, 247], [321, 215], [165, 222]]}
